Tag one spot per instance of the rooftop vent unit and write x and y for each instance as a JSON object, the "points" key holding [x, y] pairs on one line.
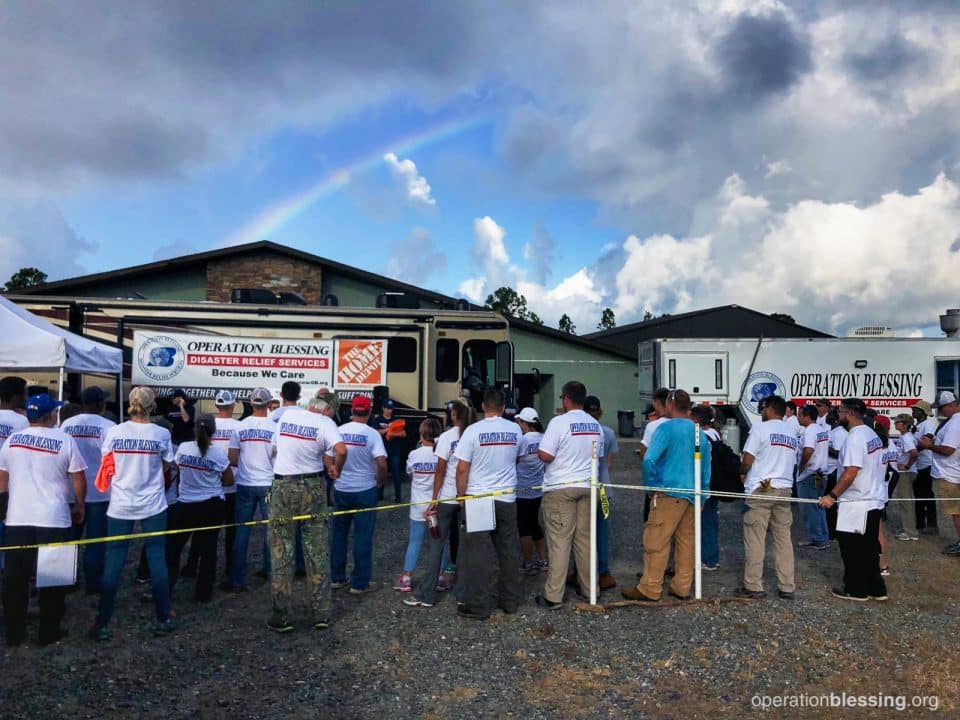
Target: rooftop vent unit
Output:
{"points": [[871, 331], [950, 322]]}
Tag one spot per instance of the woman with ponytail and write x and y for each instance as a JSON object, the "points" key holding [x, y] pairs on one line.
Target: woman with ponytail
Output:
{"points": [[140, 450], [204, 472]]}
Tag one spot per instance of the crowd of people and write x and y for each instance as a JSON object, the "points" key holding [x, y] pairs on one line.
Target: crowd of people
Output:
{"points": [[71, 474]]}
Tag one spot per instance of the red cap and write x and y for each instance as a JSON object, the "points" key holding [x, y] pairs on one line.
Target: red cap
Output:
{"points": [[882, 420], [361, 403]]}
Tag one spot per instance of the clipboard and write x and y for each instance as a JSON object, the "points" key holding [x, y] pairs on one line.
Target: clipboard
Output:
{"points": [[852, 516], [480, 514], [57, 566]]}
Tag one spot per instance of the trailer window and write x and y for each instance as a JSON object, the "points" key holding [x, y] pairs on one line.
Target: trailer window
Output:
{"points": [[718, 371], [448, 360], [401, 355], [672, 374]]}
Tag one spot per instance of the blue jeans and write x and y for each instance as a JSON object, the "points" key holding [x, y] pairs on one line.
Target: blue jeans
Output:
{"points": [[418, 531], [249, 498], [94, 555], [117, 557], [710, 532], [396, 472], [363, 524], [814, 516]]}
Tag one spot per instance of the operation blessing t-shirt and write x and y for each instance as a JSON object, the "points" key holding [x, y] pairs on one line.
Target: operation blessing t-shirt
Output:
{"points": [[905, 445], [444, 450], [225, 438], [838, 436], [924, 457], [864, 450], [200, 474], [38, 460], [139, 451], [816, 438], [257, 437], [490, 446], [364, 446], [10, 422], [569, 438], [422, 468], [773, 445], [530, 467], [302, 438], [88, 431]]}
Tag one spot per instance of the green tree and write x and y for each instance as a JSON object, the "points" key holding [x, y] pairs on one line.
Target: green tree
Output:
{"points": [[566, 325], [24, 278], [507, 301], [784, 317], [608, 320]]}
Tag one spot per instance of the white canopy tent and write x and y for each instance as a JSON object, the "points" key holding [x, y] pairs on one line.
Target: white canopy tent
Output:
{"points": [[28, 342]]}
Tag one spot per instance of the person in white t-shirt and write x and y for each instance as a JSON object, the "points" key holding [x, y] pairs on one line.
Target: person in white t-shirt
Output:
{"points": [[567, 447], [88, 429], [421, 468], [13, 396], [141, 453], [290, 400], [298, 489], [901, 513], [811, 478], [257, 437], [925, 506], [862, 485], [204, 473], [791, 420], [487, 463], [838, 436], [823, 407], [767, 466], [530, 470], [35, 463], [945, 446], [356, 490], [445, 507]]}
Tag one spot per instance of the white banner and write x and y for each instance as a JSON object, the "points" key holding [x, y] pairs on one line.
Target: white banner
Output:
{"points": [[205, 362]]}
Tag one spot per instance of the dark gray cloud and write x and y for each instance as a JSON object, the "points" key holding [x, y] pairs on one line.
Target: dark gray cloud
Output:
{"points": [[541, 253], [34, 233], [888, 59], [762, 55], [416, 258]]}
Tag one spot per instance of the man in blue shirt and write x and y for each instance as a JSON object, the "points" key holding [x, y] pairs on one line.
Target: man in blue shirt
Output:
{"points": [[669, 463]]}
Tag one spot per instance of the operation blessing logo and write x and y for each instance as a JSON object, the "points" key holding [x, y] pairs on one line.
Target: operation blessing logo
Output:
{"points": [[532, 448], [161, 358], [82, 431], [197, 463], [823, 436], [498, 438], [781, 440], [356, 439], [256, 435], [424, 468], [586, 428], [874, 445], [761, 385], [35, 442], [300, 432], [135, 445]]}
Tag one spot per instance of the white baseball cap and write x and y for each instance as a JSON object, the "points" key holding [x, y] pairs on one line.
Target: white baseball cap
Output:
{"points": [[945, 398], [224, 398], [528, 414], [260, 396]]}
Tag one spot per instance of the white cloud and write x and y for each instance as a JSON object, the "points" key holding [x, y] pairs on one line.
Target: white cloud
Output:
{"points": [[415, 185], [777, 167], [416, 258]]}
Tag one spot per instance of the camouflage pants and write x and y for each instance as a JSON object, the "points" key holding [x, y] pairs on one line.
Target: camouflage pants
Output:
{"points": [[290, 497]]}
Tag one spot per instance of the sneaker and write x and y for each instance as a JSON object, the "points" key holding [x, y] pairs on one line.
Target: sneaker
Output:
{"points": [[280, 625], [164, 627], [321, 624], [412, 601], [806, 544], [443, 584], [844, 595], [742, 592], [606, 581], [879, 598], [952, 550], [677, 596], [362, 591], [465, 612], [710, 568], [885, 572], [905, 536], [821, 546], [337, 584], [98, 634], [450, 569], [402, 583], [784, 595], [547, 604], [543, 563], [141, 580]]}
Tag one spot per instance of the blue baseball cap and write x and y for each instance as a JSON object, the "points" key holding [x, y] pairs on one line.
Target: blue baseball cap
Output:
{"points": [[388, 403], [39, 406], [92, 395]]}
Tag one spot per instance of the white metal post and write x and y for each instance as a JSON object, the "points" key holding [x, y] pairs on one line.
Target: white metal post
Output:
{"points": [[698, 508], [60, 390], [593, 525]]}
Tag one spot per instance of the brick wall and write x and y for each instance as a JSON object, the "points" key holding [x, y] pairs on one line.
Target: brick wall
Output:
{"points": [[264, 270]]}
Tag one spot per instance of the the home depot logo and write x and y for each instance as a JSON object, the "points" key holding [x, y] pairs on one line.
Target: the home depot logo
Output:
{"points": [[361, 362]]}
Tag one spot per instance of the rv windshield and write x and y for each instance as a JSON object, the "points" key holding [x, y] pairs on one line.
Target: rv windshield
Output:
{"points": [[479, 366]]}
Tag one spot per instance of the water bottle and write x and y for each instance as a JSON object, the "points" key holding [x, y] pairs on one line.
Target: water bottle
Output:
{"points": [[434, 525]]}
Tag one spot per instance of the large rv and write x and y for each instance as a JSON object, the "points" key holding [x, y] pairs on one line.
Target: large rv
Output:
{"points": [[421, 358]]}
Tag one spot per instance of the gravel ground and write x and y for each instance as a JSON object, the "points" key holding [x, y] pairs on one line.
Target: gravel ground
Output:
{"points": [[382, 659]]}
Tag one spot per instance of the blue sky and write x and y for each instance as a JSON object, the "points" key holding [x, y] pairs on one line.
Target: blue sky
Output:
{"points": [[626, 156]]}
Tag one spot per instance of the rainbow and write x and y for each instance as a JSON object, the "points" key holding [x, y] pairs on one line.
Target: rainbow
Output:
{"points": [[284, 211]]}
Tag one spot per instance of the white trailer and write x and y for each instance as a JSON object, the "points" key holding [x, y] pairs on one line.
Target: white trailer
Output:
{"points": [[889, 374]]}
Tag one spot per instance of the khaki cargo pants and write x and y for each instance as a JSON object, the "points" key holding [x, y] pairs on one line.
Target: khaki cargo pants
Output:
{"points": [[778, 516]]}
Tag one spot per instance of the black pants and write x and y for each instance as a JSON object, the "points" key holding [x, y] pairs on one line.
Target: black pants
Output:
{"points": [[861, 559], [491, 564], [832, 512], [923, 492], [230, 511], [21, 565], [197, 514]]}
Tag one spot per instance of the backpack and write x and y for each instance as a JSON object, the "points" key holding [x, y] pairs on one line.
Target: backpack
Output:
{"points": [[724, 470]]}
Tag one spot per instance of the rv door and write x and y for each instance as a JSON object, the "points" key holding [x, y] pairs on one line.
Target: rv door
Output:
{"points": [[702, 374], [504, 368]]}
